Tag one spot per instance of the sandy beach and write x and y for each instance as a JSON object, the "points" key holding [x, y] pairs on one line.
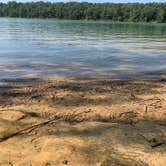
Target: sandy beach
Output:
{"points": [[83, 122]]}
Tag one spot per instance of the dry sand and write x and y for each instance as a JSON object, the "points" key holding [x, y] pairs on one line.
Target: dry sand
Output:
{"points": [[83, 122]]}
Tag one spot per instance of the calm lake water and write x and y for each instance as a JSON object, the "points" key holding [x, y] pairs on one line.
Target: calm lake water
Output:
{"points": [[38, 47]]}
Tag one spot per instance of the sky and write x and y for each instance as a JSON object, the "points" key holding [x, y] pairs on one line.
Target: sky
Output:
{"points": [[95, 1]]}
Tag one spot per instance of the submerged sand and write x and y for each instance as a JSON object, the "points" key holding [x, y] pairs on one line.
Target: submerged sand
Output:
{"points": [[83, 122]]}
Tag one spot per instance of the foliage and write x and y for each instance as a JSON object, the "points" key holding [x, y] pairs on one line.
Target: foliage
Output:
{"points": [[135, 12]]}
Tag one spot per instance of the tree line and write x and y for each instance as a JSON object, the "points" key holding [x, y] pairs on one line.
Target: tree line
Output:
{"points": [[130, 12]]}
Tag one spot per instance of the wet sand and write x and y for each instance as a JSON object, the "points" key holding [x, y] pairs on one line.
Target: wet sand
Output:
{"points": [[83, 122]]}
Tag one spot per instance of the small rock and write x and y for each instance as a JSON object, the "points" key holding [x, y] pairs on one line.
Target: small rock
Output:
{"points": [[65, 162]]}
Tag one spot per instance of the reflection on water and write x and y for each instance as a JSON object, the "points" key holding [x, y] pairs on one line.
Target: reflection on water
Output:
{"points": [[36, 47]]}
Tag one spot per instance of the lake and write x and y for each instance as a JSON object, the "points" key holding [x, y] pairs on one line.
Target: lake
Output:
{"points": [[44, 48]]}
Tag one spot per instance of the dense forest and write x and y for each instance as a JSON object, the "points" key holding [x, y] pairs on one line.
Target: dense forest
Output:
{"points": [[135, 12]]}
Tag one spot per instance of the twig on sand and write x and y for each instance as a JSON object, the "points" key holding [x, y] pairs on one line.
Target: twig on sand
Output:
{"points": [[154, 98], [146, 109], [154, 143], [28, 128], [31, 128]]}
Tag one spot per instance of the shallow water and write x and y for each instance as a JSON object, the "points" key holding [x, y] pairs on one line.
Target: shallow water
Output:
{"points": [[39, 48]]}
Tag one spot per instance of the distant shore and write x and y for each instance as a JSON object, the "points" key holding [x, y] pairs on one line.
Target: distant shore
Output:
{"points": [[133, 12], [90, 20]]}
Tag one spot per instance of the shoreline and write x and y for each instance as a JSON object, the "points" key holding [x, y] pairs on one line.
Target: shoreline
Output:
{"points": [[95, 21]]}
